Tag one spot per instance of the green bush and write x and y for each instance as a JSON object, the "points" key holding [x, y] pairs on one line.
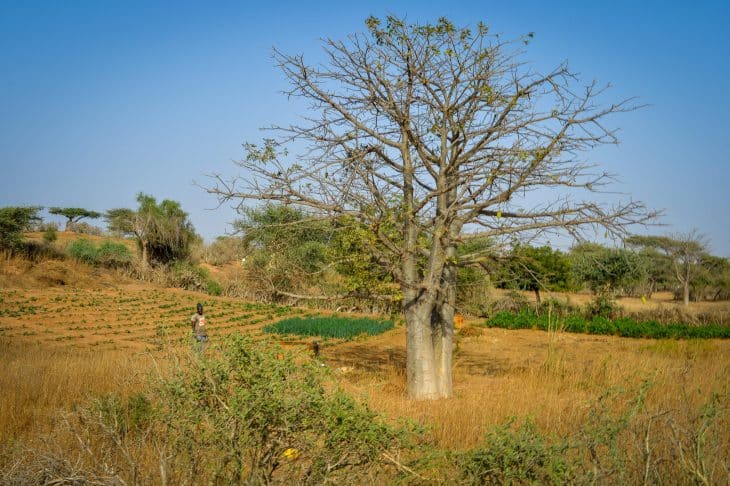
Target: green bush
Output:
{"points": [[557, 307], [13, 221], [603, 305], [334, 327], [519, 455], [625, 326], [114, 255], [214, 288], [84, 251], [250, 415], [189, 276], [109, 254]]}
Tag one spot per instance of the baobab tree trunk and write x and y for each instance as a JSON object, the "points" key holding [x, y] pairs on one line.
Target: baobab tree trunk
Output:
{"points": [[421, 369], [429, 339], [443, 328]]}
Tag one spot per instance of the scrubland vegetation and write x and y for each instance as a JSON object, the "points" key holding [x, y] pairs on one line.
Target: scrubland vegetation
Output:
{"points": [[568, 367], [105, 388]]}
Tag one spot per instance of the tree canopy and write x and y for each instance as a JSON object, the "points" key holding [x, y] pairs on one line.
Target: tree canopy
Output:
{"points": [[163, 232], [686, 252], [606, 270], [430, 135], [74, 215], [13, 221], [535, 269]]}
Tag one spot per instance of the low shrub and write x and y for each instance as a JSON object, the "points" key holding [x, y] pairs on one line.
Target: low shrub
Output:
{"points": [[624, 326], [84, 251], [214, 288], [251, 414], [557, 307], [50, 234], [109, 254], [333, 327], [603, 305], [189, 276], [114, 255], [519, 455]]}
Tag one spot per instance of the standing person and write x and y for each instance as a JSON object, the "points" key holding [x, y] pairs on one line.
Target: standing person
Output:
{"points": [[199, 332]]}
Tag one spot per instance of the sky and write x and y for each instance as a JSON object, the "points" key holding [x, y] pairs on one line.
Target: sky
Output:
{"points": [[102, 99]]}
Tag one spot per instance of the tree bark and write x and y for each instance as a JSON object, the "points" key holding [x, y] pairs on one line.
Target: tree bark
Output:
{"points": [[685, 288], [421, 368], [443, 334]]}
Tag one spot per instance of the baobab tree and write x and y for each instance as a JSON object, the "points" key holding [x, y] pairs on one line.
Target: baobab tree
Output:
{"points": [[432, 135]]}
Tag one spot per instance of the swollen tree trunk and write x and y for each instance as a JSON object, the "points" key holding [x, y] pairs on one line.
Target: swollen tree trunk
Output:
{"points": [[421, 369], [430, 336]]}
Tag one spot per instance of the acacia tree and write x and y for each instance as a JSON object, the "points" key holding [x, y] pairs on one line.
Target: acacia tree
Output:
{"points": [[607, 271], [531, 268], [74, 215], [686, 251], [13, 221], [444, 134]]}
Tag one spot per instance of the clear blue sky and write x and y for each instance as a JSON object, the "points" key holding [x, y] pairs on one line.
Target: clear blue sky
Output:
{"points": [[102, 99]]}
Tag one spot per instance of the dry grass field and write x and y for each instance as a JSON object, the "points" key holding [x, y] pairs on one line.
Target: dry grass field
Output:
{"points": [[60, 344]]}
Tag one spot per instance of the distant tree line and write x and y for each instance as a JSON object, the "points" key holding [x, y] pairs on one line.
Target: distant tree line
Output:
{"points": [[289, 254]]}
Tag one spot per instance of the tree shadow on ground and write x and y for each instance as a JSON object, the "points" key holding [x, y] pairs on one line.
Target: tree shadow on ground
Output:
{"points": [[366, 357]]}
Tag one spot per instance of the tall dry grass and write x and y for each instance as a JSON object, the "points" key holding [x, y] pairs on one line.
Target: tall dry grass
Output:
{"points": [[40, 380], [554, 380]]}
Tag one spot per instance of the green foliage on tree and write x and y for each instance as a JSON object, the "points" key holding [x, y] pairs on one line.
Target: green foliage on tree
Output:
{"points": [[605, 270], [360, 261], [656, 268], [686, 252], [288, 247], [536, 269], [13, 221], [713, 279], [74, 215], [162, 230]]}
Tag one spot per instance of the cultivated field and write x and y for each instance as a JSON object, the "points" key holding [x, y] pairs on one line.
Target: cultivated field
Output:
{"points": [[61, 344]]}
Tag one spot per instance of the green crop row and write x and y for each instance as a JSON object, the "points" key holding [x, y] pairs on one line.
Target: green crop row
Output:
{"points": [[624, 327], [329, 327]]}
